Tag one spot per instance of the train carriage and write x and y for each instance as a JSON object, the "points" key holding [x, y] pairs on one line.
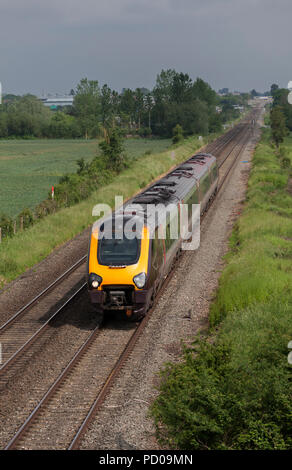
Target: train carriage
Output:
{"points": [[125, 271]]}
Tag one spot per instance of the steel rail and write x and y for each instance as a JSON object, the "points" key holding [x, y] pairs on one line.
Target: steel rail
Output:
{"points": [[61, 278], [39, 332], [76, 358], [243, 139], [42, 294], [134, 338]]}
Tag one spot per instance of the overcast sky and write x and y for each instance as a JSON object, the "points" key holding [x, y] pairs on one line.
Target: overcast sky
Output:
{"points": [[51, 45]]}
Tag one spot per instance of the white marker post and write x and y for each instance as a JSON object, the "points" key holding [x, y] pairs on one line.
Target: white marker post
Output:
{"points": [[0, 93], [290, 90]]}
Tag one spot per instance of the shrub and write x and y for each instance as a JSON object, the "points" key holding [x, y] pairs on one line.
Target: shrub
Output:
{"points": [[177, 134], [144, 132], [46, 207], [7, 226], [27, 216], [233, 391], [113, 151]]}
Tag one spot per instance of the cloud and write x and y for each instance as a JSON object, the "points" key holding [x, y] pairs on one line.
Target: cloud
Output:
{"points": [[240, 44]]}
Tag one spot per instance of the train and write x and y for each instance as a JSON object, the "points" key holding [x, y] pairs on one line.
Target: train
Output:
{"points": [[126, 268]]}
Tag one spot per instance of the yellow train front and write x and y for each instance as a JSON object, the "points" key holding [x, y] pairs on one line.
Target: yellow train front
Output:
{"points": [[118, 268]]}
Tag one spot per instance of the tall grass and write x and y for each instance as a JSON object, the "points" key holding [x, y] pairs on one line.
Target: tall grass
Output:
{"points": [[232, 390]]}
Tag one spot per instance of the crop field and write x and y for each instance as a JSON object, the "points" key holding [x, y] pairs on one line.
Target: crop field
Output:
{"points": [[29, 168], [55, 229]]}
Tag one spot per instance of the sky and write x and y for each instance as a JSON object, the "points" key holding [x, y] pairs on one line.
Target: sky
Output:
{"points": [[48, 46]]}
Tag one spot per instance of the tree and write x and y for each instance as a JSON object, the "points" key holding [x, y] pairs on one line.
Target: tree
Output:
{"points": [[87, 107], [113, 150], [281, 99], [128, 107], [139, 98], [177, 100], [3, 125], [163, 88], [27, 116], [274, 87], [177, 134], [63, 125], [278, 125], [203, 91], [149, 103], [181, 88], [107, 108], [215, 123]]}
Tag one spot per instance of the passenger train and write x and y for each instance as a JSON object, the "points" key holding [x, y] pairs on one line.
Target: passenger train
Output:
{"points": [[125, 272]]}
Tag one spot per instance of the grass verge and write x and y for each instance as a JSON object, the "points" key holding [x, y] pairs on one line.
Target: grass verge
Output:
{"points": [[232, 389]]}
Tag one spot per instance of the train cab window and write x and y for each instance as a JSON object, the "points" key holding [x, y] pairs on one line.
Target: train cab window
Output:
{"points": [[118, 252]]}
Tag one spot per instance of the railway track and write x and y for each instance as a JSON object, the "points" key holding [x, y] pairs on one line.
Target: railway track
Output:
{"points": [[16, 336], [81, 387]]}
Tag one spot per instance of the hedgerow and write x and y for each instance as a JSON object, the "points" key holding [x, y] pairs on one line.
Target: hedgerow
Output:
{"points": [[232, 390]]}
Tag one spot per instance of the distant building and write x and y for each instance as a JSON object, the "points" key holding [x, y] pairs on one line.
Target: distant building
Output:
{"points": [[54, 103], [223, 91]]}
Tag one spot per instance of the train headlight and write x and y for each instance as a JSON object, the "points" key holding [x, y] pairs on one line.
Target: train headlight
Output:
{"points": [[94, 281], [140, 280]]}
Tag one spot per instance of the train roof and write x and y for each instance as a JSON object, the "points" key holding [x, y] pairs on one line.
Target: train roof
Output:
{"points": [[171, 188], [174, 186]]}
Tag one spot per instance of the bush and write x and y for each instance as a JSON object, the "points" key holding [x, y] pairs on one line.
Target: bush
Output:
{"points": [[113, 151], [233, 391], [27, 216], [7, 226], [46, 207], [177, 134], [144, 132]]}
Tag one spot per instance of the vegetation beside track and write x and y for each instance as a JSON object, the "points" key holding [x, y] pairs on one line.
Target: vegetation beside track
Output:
{"points": [[26, 248], [232, 389]]}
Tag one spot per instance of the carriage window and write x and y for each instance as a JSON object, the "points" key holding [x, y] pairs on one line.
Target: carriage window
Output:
{"points": [[214, 172], [205, 184], [195, 197], [168, 240]]}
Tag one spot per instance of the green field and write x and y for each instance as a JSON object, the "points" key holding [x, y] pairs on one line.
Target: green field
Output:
{"points": [[55, 229], [28, 168]]}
